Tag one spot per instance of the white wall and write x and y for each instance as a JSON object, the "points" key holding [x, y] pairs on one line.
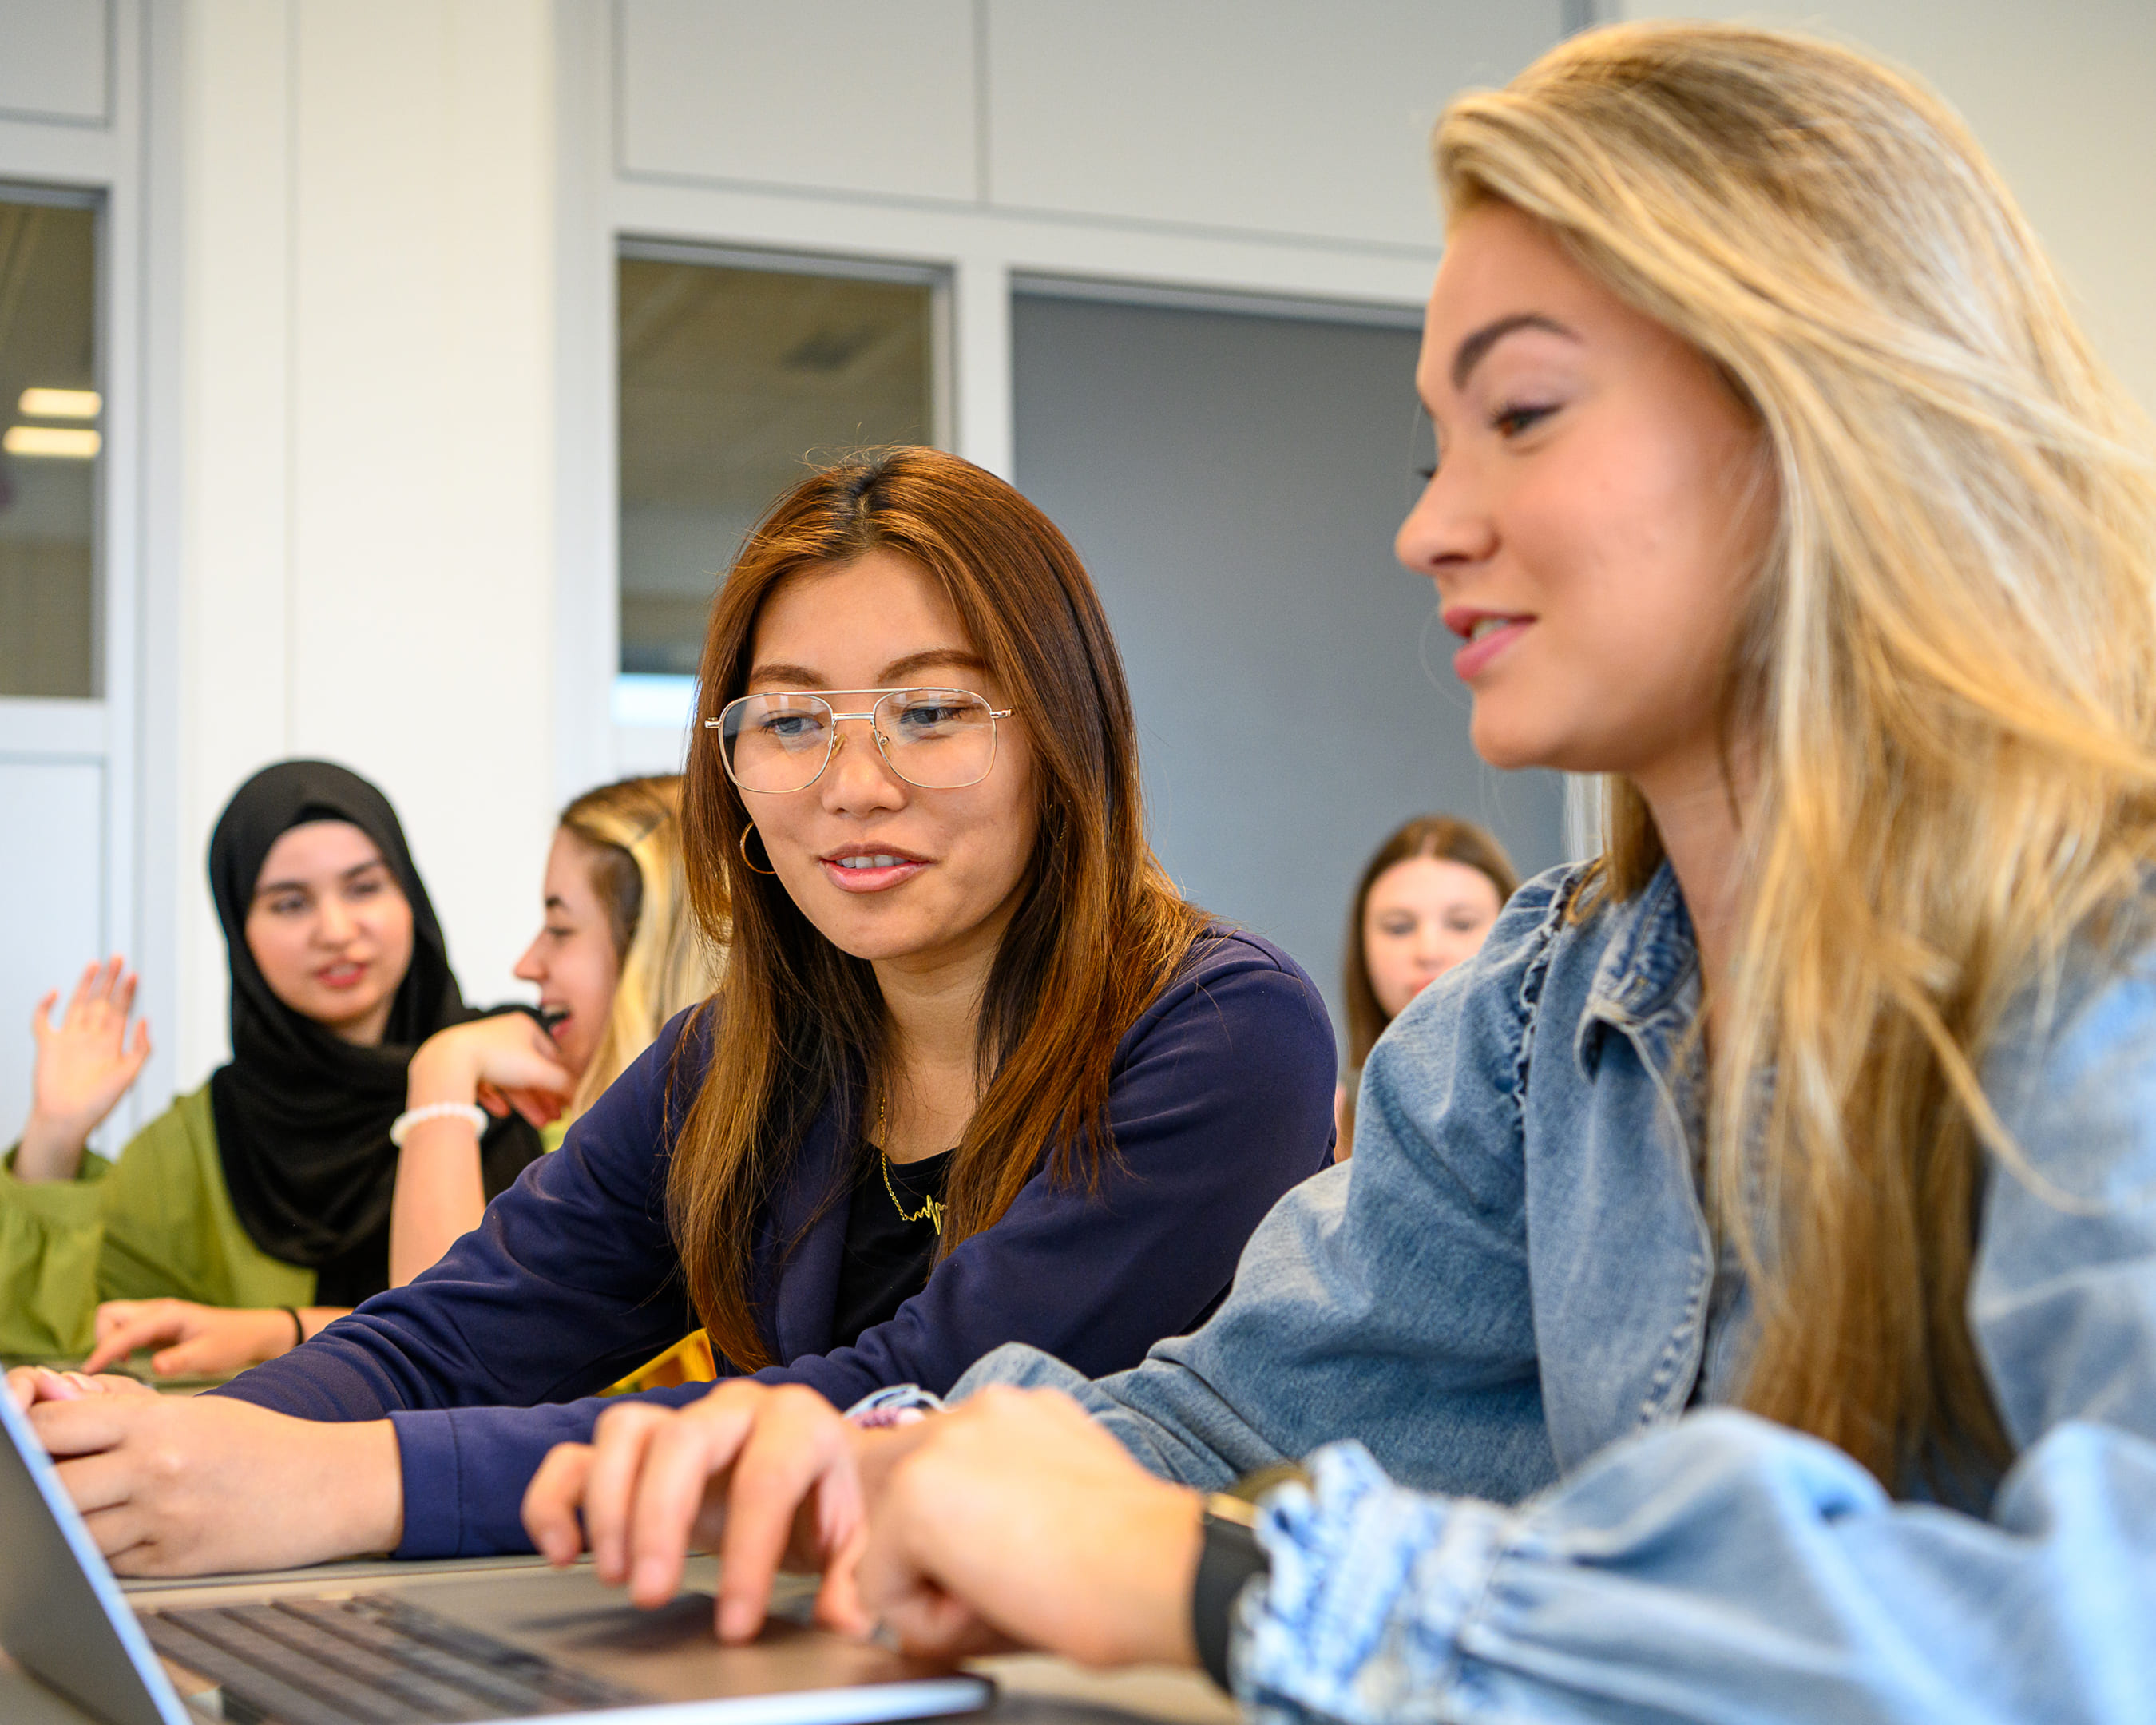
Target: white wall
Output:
{"points": [[1278, 150], [367, 570], [2062, 94]]}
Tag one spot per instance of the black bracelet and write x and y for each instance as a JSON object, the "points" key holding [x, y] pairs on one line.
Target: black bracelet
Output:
{"points": [[1228, 1558], [299, 1329]]}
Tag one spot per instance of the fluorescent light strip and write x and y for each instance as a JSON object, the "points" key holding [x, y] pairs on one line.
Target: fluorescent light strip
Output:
{"points": [[67, 443], [61, 404]]}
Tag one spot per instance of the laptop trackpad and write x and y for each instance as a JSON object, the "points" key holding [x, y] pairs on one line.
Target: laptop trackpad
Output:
{"points": [[670, 1654]]}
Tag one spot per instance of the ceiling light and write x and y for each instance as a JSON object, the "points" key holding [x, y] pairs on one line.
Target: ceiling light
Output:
{"points": [[61, 404], [71, 442]]}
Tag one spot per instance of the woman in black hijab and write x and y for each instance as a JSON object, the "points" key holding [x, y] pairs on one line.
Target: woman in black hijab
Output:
{"points": [[269, 1189]]}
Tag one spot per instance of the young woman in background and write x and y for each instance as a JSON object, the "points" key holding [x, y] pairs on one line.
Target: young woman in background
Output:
{"points": [[975, 1074], [1423, 903], [259, 1205], [620, 953]]}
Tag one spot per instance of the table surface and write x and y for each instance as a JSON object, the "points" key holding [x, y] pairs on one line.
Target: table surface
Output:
{"points": [[1032, 1689]]}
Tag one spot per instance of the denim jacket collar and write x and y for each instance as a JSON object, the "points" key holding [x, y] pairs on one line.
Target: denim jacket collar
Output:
{"points": [[1646, 984]]}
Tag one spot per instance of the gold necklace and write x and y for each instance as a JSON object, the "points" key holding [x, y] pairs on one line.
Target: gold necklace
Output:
{"points": [[931, 1208]]}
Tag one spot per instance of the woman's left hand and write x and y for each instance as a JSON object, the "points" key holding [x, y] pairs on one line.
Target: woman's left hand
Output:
{"points": [[1016, 1520], [196, 1485], [191, 1340]]}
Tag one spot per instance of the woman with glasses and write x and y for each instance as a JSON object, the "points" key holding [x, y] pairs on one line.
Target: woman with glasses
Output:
{"points": [[975, 1073]]}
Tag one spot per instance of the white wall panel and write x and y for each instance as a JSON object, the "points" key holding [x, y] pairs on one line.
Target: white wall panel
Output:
{"points": [[368, 506], [2061, 98], [1297, 119], [52, 877], [55, 60], [854, 95]]}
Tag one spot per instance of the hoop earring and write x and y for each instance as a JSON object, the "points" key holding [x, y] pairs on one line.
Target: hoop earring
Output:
{"points": [[746, 863]]}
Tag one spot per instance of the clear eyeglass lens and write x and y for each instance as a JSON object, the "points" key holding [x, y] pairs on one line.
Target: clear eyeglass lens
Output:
{"points": [[937, 738]]}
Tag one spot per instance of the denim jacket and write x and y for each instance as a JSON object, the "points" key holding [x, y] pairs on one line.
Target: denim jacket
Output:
{"points": [[1509, 1302]]}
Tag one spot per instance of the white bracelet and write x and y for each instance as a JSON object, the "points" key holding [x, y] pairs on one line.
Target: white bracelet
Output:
{"points": [[401, 1128]]}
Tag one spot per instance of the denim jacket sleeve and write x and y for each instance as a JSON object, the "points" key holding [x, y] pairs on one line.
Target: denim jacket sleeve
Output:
{"points": [[1314, 1337], [1723, 1567]]}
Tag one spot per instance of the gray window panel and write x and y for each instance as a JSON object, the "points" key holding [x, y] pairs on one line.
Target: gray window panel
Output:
{"points": [[1233, 483]]}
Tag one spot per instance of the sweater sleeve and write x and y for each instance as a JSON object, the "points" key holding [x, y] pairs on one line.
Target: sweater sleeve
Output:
{"points": [[569, 1280], [1221, 1102], [51, 1234]]}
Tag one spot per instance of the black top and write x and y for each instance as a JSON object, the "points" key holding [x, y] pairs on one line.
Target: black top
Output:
{"points": [[302, 1117], [887, 1259]]}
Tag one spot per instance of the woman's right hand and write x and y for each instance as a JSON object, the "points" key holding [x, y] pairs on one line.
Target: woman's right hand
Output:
{"points": [[764, 1476], [505, 1061], [84, 1064]]}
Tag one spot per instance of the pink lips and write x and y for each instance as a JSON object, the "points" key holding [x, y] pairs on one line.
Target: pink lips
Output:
{"points": [[1480, 650], [892, 868], [340, 976]]}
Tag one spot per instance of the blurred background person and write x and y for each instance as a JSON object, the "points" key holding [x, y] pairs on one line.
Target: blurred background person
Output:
{"points": [[260, 1202], [1423, 905], [619, 954]]}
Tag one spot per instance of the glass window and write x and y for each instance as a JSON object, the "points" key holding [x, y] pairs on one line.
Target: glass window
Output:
{"points": [[733, 380], [49, 451]]}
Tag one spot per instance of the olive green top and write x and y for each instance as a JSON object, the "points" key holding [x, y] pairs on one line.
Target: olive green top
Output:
{"points": [[158, 1221]]}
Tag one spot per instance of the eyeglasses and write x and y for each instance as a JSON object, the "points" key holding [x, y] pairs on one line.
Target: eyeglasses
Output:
{"points": [[939, 739]]}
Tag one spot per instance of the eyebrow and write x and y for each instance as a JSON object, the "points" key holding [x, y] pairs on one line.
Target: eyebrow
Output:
{"points": [[274, 887], [1471, 352], [800, 677]]}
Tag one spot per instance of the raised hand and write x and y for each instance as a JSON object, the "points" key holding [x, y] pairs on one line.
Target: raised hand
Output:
{"points": [[84, 1064]]}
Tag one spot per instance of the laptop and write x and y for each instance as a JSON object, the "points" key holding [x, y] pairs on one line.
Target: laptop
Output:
{"points": [[481, 1645]]}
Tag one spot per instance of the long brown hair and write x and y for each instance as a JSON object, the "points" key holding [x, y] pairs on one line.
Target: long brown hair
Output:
{"points": [[633, 829], [1947, 681], [1098, 933], [1445, 837]]}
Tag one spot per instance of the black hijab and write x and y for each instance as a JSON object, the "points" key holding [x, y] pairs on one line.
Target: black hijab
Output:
{"points": [[302, 1117]]}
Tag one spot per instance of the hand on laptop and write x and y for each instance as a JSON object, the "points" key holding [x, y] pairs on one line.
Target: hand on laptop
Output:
{"points": [[763, 1476], [30, 1384], [1014, 1519], [192, 1485]]}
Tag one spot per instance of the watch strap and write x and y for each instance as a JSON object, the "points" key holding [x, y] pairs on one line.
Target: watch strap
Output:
{"points": [[1228, 1557]]}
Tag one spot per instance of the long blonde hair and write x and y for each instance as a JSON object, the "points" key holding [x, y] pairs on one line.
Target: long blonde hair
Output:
{"points": [[634, 829], [1947, 681]]}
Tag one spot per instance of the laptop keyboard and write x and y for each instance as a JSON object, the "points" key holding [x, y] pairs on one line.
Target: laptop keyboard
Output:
{"points": [[371, 1658]]}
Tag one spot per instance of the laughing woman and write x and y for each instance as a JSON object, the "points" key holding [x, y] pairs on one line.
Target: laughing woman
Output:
{"points": [[975, 1074]]}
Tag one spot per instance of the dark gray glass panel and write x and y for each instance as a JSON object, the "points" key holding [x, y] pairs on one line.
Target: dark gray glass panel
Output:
{"points": [[1233, 483], [732, 382], [50, 450]]}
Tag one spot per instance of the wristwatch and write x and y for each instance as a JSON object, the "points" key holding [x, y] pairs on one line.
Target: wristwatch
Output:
{"points": [[1229, 1559]]}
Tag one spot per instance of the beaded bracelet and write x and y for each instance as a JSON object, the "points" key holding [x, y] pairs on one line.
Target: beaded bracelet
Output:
{"points": [[402, 1124]]}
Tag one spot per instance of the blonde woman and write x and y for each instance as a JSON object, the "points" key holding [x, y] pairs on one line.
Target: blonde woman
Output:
{"points": [[618, 956], [1742, 1302]]}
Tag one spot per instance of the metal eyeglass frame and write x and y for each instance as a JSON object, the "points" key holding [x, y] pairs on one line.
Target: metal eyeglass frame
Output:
{"points": [[838, 737]]}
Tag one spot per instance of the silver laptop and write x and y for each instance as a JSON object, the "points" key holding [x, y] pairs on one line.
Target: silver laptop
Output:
{"points": [[480, 1646]]}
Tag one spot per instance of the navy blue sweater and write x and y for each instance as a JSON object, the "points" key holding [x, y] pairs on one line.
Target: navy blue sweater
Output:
{"points": [[1221, 1100]]}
